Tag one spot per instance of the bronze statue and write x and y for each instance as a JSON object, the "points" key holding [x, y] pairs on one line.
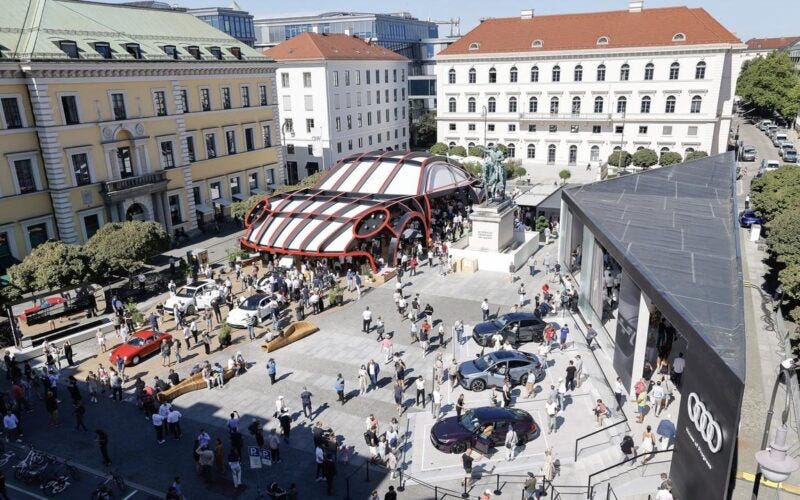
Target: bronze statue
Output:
{"points": [[494, 175]]}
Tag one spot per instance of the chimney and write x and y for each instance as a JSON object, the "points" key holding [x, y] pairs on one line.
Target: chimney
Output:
{"points": [[315, 29], [526, 14], [635, 5], [347, 32]]}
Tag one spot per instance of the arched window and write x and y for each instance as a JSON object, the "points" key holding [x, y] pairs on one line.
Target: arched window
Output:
{"points": [[537, 44], [674, 71], [697, 101], [512, 104], [576, 105], [573, 154], [603, 40], [451, 76], [531, 151], [664, 150], [622, 104], [511, 151], [492, 75], [578, 73], [649, 69], [471, 145], [601, 73], [490, 145], [451, 105], [452, 144], [535, 74], [471, 105], [472, 76], [645, 108], [594, 153], [474, 46], [533, 105], [687, 151], [554, 106], [640, 148], [551, 153], [624, 72], [700, 71], [512, 75], [598, 104], [670, 106], [556, 73], [678, 37], [492, 105]]}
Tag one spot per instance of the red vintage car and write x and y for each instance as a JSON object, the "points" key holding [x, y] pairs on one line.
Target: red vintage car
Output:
{"points": [[139, 346], [45, 304]]}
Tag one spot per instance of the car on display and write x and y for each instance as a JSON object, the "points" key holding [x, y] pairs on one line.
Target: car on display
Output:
{"points": [[196, 296], [749, 153], [790, 156], [454, 435], [748, 217], [256, 305], [529, 329], [139, 346], [490, 370]]}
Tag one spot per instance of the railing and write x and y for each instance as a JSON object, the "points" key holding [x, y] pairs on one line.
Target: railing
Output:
{"points": [[133, 182], [590, 487], [567, 116]]}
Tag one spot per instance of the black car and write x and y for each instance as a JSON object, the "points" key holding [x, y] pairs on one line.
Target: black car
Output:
{"points": [[517, 328], [454, 435]]}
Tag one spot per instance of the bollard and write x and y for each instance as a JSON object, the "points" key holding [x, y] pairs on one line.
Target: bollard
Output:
{"points": [[497, 486], [435, 493], [465, 494], [400, 486]]}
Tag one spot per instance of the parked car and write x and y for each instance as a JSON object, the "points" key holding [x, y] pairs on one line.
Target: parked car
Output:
{"points": [[763, 124], [491, 369], [783, 147], [256, 305], [139, 346], [454, 435], [748, 217], [749, 153], [529, 329], [772, 165], [191, 298], [778, 138], [790, 156]]}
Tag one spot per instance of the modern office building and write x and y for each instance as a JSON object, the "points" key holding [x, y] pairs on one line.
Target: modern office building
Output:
{"points": [[232, 20], [338, 95], [113, 112], [570, 89], [422, 78]]}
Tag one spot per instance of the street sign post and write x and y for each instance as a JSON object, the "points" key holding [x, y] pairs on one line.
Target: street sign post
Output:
{"points": [[255, 458], [266, 457]]}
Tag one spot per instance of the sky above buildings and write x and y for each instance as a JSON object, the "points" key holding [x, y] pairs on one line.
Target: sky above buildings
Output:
{"points": [[746, 18]]}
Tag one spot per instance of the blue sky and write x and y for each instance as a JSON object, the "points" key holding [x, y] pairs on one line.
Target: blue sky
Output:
{"points": [[746, 18]]}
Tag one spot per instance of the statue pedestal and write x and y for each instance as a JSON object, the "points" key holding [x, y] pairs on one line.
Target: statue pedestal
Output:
{"points": [[492, 226]]}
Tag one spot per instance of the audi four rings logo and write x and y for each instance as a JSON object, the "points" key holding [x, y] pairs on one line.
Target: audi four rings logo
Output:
{"points": [[704, 423]]}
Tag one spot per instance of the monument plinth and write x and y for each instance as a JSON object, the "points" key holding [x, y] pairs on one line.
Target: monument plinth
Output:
{"points": [[492, 226]]}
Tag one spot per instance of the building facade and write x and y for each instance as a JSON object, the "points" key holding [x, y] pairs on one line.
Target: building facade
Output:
{"points": [[571, 89], [338, 95], [152, 127], [422, 78], [231, 20]]}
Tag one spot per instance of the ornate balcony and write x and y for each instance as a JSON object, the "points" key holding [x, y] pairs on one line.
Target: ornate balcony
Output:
{"points": [[121, 189]]}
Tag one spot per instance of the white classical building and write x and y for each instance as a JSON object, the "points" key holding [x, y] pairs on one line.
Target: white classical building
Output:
{"points": [[570, 89], [338, 95]]}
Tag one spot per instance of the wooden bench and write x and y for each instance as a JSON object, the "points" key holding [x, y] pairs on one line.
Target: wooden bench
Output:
{"points": [[295, 331], [193, 383]]}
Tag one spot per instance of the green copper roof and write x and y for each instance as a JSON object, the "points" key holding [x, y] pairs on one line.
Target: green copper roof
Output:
{"points": [[32, 30]]}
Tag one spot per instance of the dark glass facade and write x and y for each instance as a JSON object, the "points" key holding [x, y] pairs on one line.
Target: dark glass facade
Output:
{"points": [[237, 24]]}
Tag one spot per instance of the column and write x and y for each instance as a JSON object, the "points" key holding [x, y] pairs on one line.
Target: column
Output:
{"points": [[182, 161], [642, 328]]}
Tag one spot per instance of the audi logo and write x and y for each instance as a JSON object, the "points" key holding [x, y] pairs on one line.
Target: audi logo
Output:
{"points": [[704, 423]]}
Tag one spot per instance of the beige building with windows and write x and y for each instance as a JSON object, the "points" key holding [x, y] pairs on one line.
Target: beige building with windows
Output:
{"points": [[113, 112]]}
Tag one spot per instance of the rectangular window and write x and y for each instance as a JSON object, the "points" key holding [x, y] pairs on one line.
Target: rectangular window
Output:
{"points": [[574, 129], [395, 95], [358, 77], [205, 99], [234, 185], [360, 142], [91, 223], [596, 129], [190, 148], [245, 97], [338, 147], [347, 99], [184, 101], [169, 50], [471, 127], [338, 122], [134, 49], [309, 102], [194, 51], [252, 181], [226, 98], [452, 127], [118, 105], [285, 80], [347, 78], [553, 129], [350, 144], [69, 48], [287, 102], [349, 122], [335, 78], [69, 105], [377, 97], [167, 156], [310, 150], [175, 209], [306, 79], [692, 131], [666, 130], [309, 125], [402, 75], [249, 141], [386, 76], [512, 127], [216, 53], [367, 73], [37, 234], [394, 75], [198, 199], [377, 76], [80, 166], [386, 95], [378, 116], [369, 98], [359, 120], [104, 50], [369, 138], [211, 146], [262, 94], [230, 141], [215, 190], [26, 179], [618, 129], [531, 127], [266, 132], [270, 176], [490, 127], [160, 103], [336, 101], [369, 118], [642, 129]]}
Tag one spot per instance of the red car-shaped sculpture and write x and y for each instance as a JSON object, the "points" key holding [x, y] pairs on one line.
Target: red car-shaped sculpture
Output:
{"points": [[139, 346]]}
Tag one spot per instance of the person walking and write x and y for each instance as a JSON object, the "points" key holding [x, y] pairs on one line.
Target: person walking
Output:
{"points": [[511, 442], [234, 462], [101, 438], [578, 369], [628, 448], [600, 412], [174, 423], [158, 425], [648, 445], [678, 365], [219, 456], [305, 399], [362, 380], [619, 393], [398, 396], [251, 326], [207, 342], [366, 320], [256, 430], [79, 411], [460, 406], [657, 398], [271, 370], [466, 463], [329, 471], [338, 386], [274, 446], [68, 353], [563, 336], [373, 369], [436, 402], [319, 459], [420, 384], [552, 411], [521, 292], [485, 309], [11, 426], [570, 377]]}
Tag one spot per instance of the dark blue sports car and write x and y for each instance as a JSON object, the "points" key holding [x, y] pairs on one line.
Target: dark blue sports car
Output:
{"points": [[748, 217]]}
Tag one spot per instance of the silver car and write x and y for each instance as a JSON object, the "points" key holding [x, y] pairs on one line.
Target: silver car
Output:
{"points": [[492, 369]]}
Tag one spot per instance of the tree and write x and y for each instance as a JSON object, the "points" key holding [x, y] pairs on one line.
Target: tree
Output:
{"points": [[120, 248], [669, 158], [696, 155], [619, 158], [564, 175], [502, 149], [306, 182], [240, 209], [783, 236], [541, 223], [645, 158], [458, 151], [439, 148], [771, 85], [776, 191], [53, 264], [474, 168], [476, 151], [424, 130]]}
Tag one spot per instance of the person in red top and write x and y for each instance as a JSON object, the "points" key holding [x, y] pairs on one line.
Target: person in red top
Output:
{"points": [[19, 396], [412, 265]]}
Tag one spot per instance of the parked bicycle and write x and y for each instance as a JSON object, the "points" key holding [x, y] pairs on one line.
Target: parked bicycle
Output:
{"points": [[31, 469], [5, 458], [55, 484], [64, 468]]}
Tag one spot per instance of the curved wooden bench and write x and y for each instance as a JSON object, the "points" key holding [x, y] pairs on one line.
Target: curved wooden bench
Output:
{"points": [[295, 331], [193, 383]]}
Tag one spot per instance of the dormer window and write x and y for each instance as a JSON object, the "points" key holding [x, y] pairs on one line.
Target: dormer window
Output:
{"points": [[103, 49], [215, 52], [474, 46], [194, 50], [537, 44], [69, 48], [603, 40], [171, 51], [134, 50], [678, 37], [237, 52]]}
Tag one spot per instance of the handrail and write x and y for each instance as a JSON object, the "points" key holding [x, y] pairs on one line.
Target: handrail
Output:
{"points": [[593, 474], [586, 436]]}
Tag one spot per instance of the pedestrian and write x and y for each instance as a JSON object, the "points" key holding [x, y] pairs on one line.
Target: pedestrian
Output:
{"points": [[628, 448], [466, 463], [205, 459], [398, 396], [366, 320], [11, 426], [362, 380], [521, 292], [51, 405], [511, 442], [271, 370], [274, 446], [390, 494], [678, 365], [600, 412], [174, 423], [101, 339], [116, 387], [657, 398], [578, 369], [79, 411], [339, 388], [436, 402], [234, 462], [329, 471], [571, 370], [485, 309], [178, 356], [250, 321], [380, 328], [101, 438], [207, 342], [552, 411], [373, 369], [68, 353], [420, 384], [460, 406], [319, 459], [255, 428], [285, 420], [591, 336], [564, 334], [530, 488], [648, 445], [158, 425], [305, 399], [619, 393]]}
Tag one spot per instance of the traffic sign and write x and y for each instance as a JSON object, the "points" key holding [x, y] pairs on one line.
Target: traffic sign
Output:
{"points": [[266, 456], [254, 454]]}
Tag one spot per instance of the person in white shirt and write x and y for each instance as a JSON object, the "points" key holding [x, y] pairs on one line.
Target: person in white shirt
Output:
{"points": [[678, 365], [367, 319], [11, 425], [485, 309], [657, 395], [280, 407], [511, 442], [174, 423], [319, 458], [436, 397], [158, 425]]}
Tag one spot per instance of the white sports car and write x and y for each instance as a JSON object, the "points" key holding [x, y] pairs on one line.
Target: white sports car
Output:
{"points": [[196, 296], [256, 305]]}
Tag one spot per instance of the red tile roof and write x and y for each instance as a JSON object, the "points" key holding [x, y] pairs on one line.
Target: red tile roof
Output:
{"points": [[771, 43], [317, 46], [650, 27]]}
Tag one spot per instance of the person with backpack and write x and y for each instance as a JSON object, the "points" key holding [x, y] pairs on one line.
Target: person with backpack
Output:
{"points": [[628, 448]]}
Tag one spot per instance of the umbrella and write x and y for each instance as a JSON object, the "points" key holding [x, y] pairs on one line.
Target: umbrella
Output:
{"points": [[666, 428]]}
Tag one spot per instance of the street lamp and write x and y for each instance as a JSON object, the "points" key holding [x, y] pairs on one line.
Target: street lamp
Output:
{"points": [[773, 463]]}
